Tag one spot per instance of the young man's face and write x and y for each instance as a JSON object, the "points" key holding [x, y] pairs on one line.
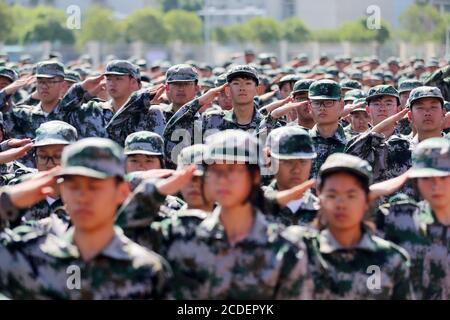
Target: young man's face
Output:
{"points": [[427, 114], [285, 90], [92, 203], [291, 173], [48, 157], [305, 112], [180, 93], [360, 121], [49, 90], [224, 101], [142, 162], [120, 87], [435, 190], [326, 111], [4, 82], [343, 202], [382, 108], [193, 193], [404, 98], [242, 91]]}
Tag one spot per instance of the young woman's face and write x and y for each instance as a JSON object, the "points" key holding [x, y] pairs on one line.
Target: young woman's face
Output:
{"points": [[194, 196], [343, 201], [435, 190], [230, 184], [291, 173], [92, 203], [142, 162]]}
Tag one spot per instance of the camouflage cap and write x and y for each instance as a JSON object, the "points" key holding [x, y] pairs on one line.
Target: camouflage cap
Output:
{"points": [[220, 80], [418, 65], [302, 85], [55, 132], [50, 69], [362, 108], [303, 57], [356, 74], [408, 85], [290, 142], [355, 94], [9, 73], [350, 84], [72, 76], [431, 158], [433, 62], [288, 78], [382, 90], [195, 154], [207, 82], [231, 146], [181, 73], [144, 142], [242, 70], [123, 68], [424, 92], [333, 71], [93, 157], [345, 162], [446, 106], [393, 60], [324, 90]]}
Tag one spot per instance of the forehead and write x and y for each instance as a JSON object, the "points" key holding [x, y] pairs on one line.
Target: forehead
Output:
{"points": [[383, 99], [50, 148], [83, 179], [427, 101]]}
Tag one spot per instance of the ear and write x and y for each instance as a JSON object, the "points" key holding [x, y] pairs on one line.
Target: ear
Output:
{"points": [[197, 88], [123, 191], [410, 117], [257, 178], [167, 86], [266, 155], [228, 91]]}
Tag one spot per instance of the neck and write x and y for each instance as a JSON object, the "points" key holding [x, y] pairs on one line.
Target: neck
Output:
{"points": [[92, 243], [307, 124], [237, 221], [49, 106], [117, 103], [244, 113], [443, 214], [207, 207], [327, 130], [176, 107], [428, 134], [347, 238]]}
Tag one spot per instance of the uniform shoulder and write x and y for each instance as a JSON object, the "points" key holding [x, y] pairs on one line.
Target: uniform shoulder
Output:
{"points": [[391, 248]]}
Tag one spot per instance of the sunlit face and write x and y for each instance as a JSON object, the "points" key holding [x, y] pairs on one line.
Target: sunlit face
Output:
{"points": [[242, 91], [435, 190], [231, 184], [326, 111], [180, 93], [49, 89], [48, 157], [382, 108], [142, 162], [427, 114], [92, 203], [360, 121], [343, 202], [197, 193], [120, 87], [290, 173], [4, 82], [286, 90]]}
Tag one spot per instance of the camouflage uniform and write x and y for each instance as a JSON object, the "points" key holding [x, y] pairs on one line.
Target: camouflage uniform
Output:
{"points": [[404, 86], [186, 127], [97, 119], [34, 266], [291, 143], [22, 121], [414, 226], [264, 265], [325, 90], [390, 157], [344, 273]]}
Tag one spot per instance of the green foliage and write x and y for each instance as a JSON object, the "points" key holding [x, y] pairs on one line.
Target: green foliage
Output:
{"points": [[146, 25], [6, 21], [184, 26], [295, 30], [422, 23], [357, 31], [99, 24], [188, 5]]}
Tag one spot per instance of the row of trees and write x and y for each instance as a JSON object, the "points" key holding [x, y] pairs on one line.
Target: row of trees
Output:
{"points": [[175, 22]]}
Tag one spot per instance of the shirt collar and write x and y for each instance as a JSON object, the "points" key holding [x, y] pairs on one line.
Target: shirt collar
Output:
{"points": [[339, 135], [64, 246], [212, 227], [329, 244]]}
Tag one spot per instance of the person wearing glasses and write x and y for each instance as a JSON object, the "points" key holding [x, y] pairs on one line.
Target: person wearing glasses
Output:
{"points": [[22, 121], [51, 139], [328, 135]]}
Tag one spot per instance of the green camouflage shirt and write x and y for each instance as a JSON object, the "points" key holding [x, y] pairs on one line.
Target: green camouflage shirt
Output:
{"points": [[38, 266], [415, 227], [326, 146], [264, 265], [349, 273]]}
